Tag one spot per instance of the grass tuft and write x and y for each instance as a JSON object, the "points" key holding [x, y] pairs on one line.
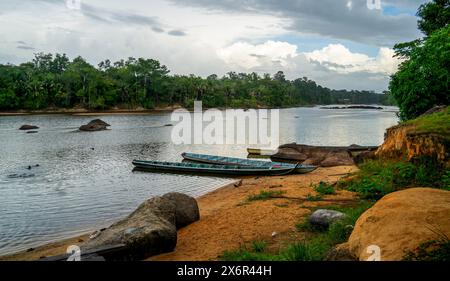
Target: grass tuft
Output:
{"points": [[265, 195], [324, 189]]}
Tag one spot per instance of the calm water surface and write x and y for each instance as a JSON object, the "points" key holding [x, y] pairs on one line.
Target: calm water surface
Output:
{"points": [[85, 180]]}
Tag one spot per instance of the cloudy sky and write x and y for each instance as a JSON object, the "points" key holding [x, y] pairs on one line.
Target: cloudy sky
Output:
{"points": [[341, 44]]}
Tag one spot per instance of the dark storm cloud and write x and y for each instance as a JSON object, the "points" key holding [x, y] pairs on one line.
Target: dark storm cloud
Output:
{"points": [[121, 17], [176, 33], [330, 18]]}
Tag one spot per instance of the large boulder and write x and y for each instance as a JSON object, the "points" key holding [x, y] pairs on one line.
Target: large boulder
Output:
{"points": [[148, 231], [95, 125], [323, 218], [315, 155], [28, 127], [186, 209], [400, 222]]}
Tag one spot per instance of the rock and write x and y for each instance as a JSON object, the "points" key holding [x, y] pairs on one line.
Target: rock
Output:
{"points": [[323, 218], [186, 209], [404, 141], [354, 107], [360, 158], [338, 158], [148, 231], [28, 127], [95, 125], [400, 222], [315, 155]]}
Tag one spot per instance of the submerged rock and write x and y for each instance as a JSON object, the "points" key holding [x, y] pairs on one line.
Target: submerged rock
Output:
{"points": [[28, 127], [323, 218], [186, 209], [148, 231], [95, 125]]}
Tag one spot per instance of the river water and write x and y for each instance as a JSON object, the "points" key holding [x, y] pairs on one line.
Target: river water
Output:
{"points": [[82, 181]]}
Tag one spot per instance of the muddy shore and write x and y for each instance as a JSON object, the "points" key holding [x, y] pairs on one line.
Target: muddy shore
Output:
{"points": [[229, 220]]}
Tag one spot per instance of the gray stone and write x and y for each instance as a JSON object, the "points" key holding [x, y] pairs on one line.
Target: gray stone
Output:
{"points": [[28, 127], [148, 231], [323, 218], [186, 207], [95, 125]]}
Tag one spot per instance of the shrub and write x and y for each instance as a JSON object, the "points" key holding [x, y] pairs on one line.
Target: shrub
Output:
{"points": [[324, 189]]}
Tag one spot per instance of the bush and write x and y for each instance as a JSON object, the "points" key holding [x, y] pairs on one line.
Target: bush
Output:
{"points": [[324, 189], [377, 178]]}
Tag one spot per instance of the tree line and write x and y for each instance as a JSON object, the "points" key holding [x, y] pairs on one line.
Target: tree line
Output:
{"points": [[423, 79], [55, 81]]}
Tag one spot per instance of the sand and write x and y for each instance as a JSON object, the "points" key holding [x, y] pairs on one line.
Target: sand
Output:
{"points": [[229, 221]]}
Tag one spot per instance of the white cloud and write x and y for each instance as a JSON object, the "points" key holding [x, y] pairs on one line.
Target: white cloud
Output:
{"points": [[337, 57], [248, 56]]}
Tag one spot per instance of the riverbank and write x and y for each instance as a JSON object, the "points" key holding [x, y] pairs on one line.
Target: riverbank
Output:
{"points": [[87, 112], [141, 111], [229, 219]]}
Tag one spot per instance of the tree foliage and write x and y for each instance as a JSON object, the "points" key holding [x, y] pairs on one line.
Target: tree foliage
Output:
{"points": [[434, 16], [423, 79], [53, 81]]}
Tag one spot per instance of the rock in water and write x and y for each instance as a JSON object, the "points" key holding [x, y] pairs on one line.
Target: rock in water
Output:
{"points": [[400, 222], [323, 218], [186, 209], [28, 127], [95, 125], [148, 231]]}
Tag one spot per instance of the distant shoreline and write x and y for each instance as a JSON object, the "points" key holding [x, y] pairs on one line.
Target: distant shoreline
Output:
{"points": [[117, 111]]}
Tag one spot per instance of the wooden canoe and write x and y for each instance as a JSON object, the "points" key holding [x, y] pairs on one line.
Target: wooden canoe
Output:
{"points": [[221, 160], [228, 170]]}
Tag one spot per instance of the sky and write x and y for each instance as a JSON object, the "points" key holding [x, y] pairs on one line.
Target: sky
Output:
{"points": [[340, 44]]}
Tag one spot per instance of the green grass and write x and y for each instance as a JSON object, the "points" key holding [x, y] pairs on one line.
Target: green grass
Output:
{"points": [[377, 178], [313, 198], [265, 195], [437, 123], [259, 246], [313, 248], [435, 250], [324, 189]]}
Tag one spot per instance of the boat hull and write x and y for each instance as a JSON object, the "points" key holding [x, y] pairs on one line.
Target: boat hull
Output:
{"points": [[219, 160], [155, 166]]}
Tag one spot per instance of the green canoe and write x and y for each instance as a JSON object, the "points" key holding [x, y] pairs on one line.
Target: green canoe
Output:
{"points": [[194, 168], [221, 160]]}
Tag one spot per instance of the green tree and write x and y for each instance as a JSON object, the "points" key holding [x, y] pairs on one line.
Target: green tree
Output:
{"points": [[434, 16], [423, 81]]}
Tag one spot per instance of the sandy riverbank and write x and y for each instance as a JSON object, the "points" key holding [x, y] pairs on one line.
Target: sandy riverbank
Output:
{"points": [[228, 220]]}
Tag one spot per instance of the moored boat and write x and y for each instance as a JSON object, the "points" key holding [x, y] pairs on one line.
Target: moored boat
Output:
{"points": [[258, 151], [221, 160], [195, 168]]}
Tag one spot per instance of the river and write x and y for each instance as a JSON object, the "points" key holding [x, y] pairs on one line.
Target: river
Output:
{"points": [[82, 181]]}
